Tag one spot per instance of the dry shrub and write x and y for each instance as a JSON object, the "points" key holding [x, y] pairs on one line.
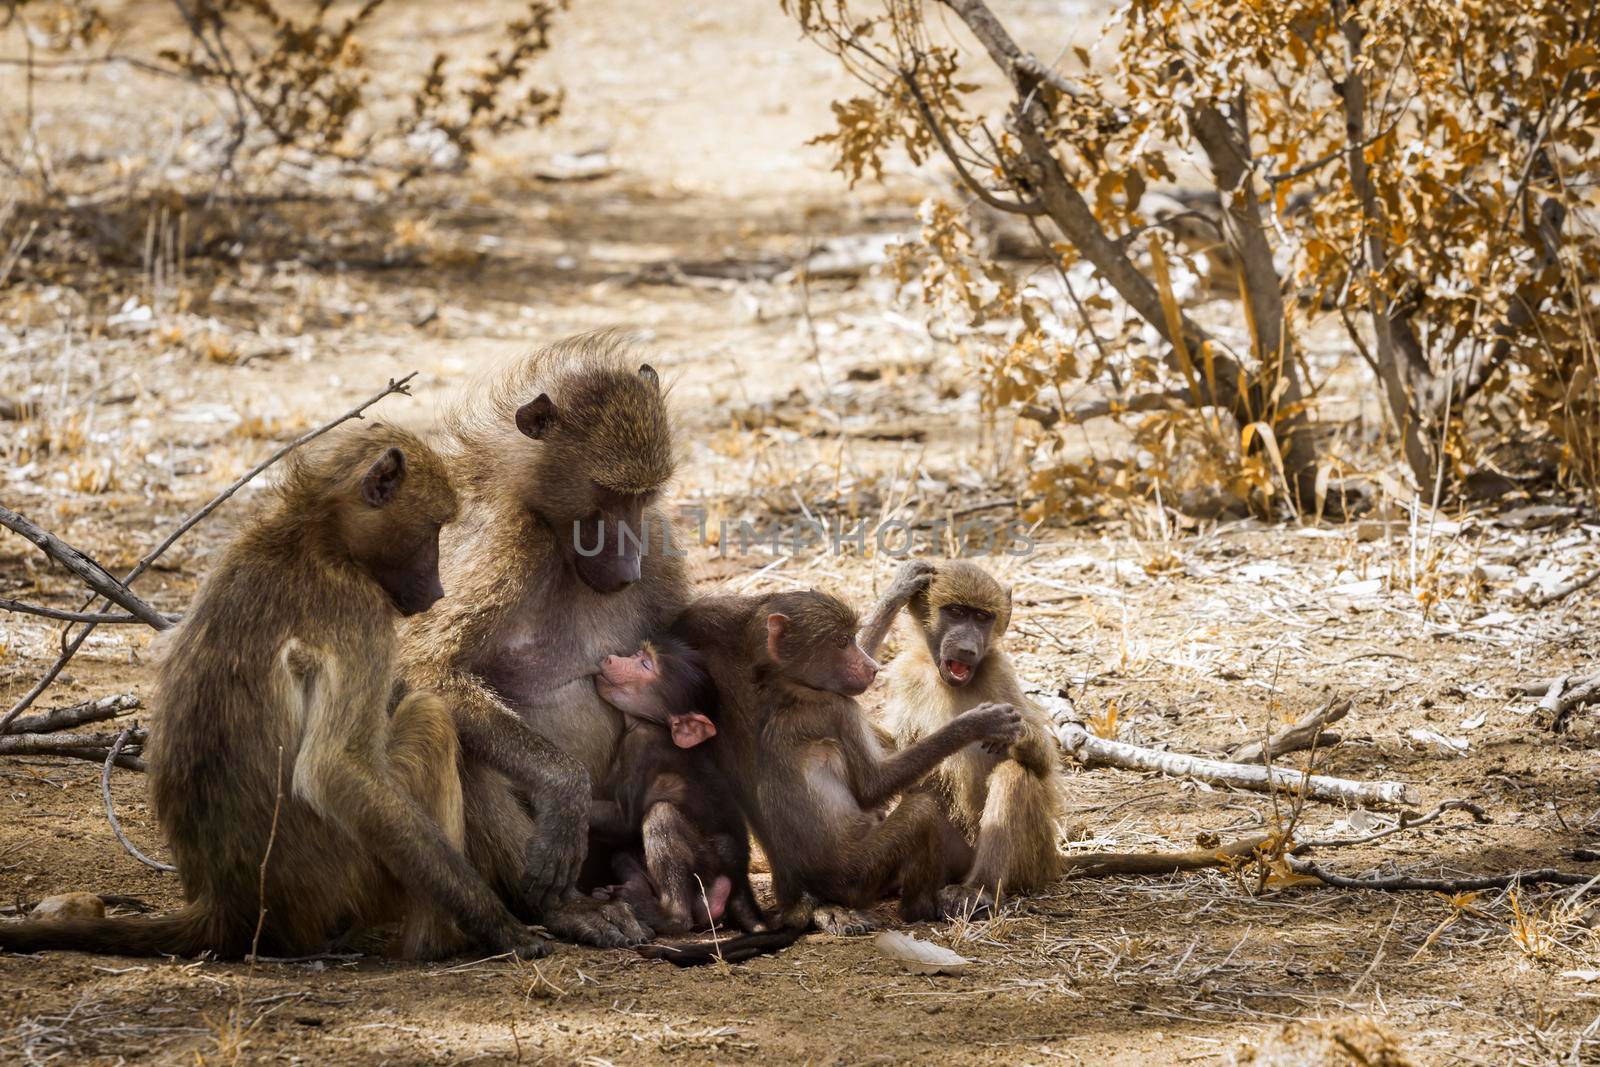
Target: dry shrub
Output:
{"points": [[1421, 171]]}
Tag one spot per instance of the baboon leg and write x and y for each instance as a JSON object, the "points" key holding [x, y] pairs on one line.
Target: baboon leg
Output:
{"points": [[669, 856], [901, 852], [497, 834], [1016, 848], [424, 757]]}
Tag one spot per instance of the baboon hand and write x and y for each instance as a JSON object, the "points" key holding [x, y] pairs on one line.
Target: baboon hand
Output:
{"points": [[525, 943], [995, 724], [556, 850], [604, 924], [913, 577]]}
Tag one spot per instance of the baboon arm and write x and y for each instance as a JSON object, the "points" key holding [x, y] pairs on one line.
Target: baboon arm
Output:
{"points": [[876, 628], [878, 780], [498, 737], [1035, 751]]}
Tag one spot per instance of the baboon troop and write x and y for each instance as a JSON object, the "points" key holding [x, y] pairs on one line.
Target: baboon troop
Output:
{"points": [[447, 688]]}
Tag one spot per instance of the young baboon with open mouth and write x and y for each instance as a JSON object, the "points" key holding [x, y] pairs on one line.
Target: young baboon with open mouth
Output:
{"points": [[291, 796], [1003, 801]]}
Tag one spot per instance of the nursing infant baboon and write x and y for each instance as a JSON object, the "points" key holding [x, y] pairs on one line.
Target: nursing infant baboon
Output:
{"points": [[808, 767], [1003, 802], [669, 804], [279, 679], [560, 559]]}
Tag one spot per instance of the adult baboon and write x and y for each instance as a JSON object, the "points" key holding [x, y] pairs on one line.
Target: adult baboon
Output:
{"points": [[560, 559]]}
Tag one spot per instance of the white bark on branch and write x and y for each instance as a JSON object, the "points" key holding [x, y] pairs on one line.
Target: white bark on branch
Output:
{"points": [[1097, 751]]}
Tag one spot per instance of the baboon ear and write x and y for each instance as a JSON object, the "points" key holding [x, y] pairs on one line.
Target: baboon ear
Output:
{"points": [[691, 729], [777, 626], [382, 480], [534, 417], [648, 373]]}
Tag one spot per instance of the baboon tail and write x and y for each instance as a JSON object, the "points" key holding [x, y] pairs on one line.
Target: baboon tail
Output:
{"points": [[728, 949], [182, 933]]}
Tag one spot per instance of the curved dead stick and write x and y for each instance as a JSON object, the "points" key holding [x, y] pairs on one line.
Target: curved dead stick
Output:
{"points": [[111, 811], [1477, 813], [67, 616], [1464, 884]]}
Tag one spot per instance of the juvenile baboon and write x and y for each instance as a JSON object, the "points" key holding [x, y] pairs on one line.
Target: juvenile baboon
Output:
{"points": [[669, 803], [560, 559], [808, 767], [278, 682], [1003, 801]]}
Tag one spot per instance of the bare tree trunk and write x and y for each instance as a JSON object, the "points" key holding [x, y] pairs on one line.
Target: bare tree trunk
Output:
{"points": [[1399, 371]]}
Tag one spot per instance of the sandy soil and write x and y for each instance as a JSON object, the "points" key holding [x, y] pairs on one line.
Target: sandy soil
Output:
{"points": [[792, 401]]}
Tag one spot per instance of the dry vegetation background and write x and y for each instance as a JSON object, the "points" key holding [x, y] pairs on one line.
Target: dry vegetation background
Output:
{"points": [[178, 299]]}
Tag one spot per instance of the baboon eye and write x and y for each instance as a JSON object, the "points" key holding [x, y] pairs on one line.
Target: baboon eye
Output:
{"points": [[983, 616], [842, 641], [645, 662]]}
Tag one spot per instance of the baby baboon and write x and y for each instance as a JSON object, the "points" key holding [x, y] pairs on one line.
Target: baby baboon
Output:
{"points": [[1004, 801], [561, 559], [669, 800], [808, 767], [278, 682]]}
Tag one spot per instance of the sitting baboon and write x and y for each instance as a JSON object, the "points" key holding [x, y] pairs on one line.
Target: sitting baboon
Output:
{"points": [[810, 772], [294, 802], [560, 559], [1004, 802]]}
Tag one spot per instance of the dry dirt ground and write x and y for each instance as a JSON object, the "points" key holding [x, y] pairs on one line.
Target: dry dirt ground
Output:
{"points": [[792, 402]]}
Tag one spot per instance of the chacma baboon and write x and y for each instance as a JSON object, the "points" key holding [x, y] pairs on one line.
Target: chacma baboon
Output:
{"points": [[560, 559], [1004, 801], [808, 767], [275, 756], [668, 801]]}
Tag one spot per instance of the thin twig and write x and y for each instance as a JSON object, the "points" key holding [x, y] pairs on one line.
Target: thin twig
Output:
{"points": [[1405, 823], [272, 835], [71, 648], [68, 616], [111, 811]]}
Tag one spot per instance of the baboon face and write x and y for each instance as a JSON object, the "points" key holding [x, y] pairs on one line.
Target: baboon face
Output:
{"points": [[812, 638], [663, 684], [404, 502], [960, 640], [607, 454]]}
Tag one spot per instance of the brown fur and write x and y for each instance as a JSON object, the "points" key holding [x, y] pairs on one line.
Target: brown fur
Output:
{"points": [[512, 646], [684, 856], [1005, 805], [807, 765], [279, 679]]}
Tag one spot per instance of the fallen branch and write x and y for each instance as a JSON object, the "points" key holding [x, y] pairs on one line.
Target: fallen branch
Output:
{"points": [[1104, 864], [1096, 751], [1406, 823], [1566, 589], [77, 715], [1464, 884], [94, 576], [111, 811], [67, 616], [1562, 695], [59, 744], [1305, 732], [400, 385]]}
